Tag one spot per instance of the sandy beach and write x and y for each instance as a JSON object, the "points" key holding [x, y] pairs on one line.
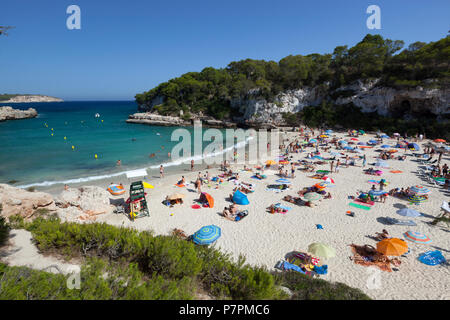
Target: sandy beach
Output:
{"points": [[265, 238]]}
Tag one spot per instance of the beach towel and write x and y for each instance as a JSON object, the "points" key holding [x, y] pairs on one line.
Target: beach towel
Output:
{"points": [[180, 185], [279, 205], [370, 203], [396, 171], [359, 206], [289, 266], [195, 206]]}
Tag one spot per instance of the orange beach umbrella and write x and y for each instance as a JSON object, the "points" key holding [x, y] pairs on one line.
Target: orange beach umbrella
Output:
{"points": [[392, 247]]}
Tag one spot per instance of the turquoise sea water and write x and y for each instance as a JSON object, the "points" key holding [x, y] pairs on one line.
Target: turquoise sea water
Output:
{"points": [[33, 157]]}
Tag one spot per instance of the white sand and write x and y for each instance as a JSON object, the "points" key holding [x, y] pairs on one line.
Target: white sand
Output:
{"points": [[265, 238]]}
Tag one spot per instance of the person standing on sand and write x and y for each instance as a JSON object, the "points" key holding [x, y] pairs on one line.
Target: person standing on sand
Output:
{"points": [[192, 165], [364, 161], [337, 165], [198, 185], [331, 166], [161, 172]]}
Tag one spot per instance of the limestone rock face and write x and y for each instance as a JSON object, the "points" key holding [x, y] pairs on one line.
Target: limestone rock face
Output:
{"points": [[155, 119], [8, 113], [85, 198], [22, 202]]}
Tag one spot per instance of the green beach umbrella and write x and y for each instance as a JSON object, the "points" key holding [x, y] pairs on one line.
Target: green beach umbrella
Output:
{"points": [[321, 250]]}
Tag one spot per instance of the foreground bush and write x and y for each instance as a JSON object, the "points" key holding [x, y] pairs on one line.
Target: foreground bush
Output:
{"points": [[169, 267]]}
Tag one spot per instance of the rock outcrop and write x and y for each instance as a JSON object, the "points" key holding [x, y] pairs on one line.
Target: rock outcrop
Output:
{"points": [[85, 199], [24, 203], [155, 119], [32, 98], [8, 113]]}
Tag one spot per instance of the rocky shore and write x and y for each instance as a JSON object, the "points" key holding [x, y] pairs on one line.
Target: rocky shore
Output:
{"points": [[32, 98], [149, 118], [8, 113]]}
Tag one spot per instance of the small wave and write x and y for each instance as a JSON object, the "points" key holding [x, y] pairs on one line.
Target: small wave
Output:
{"points": [[165, 164]]}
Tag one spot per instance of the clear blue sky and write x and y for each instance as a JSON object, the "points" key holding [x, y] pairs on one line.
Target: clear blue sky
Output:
{"points": [[126, 47]]}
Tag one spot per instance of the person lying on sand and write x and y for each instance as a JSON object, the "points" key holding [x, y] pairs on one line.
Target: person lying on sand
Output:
{"points": [[381, 236], [230, 212]]}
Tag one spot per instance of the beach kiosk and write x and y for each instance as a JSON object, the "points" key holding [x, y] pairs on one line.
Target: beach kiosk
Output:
{"points": [[137, 202]]}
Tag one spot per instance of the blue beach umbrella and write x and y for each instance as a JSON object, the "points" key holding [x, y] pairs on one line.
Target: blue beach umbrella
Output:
{"points": [[362, 143], [413, 147], [313, 141], [207, 235], [329, 131], [385, 136], [348, 148], [372, 141], [343, 142], [384, 146], [407, 212]]}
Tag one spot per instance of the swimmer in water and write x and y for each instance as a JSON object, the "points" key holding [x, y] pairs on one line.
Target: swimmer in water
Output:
{"points": [[152, 155], [119, 163]]}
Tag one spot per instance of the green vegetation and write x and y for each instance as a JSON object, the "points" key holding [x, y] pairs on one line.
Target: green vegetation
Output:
{"points": [[212, 91], [152, 267], [4, 229]]}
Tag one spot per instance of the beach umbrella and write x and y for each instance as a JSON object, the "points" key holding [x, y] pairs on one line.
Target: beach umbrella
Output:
{"points": [[329, 131], [312, 196], [413, 147], [384, 146], [328, 179], [362, 143], [270, 162], [176, 196], [377, 192], [416, 199], [392, 247], [408, 212], [416, 237], [385, 136], [343, 142], [439, 140], [321, 250], [348, 148], [207, 235], [362, 132], [313, 141], [420, 190]]}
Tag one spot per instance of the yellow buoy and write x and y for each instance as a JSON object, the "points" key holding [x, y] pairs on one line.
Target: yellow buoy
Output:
{"points": [[52, 129], [73, 147], [95, 156], [52, 134], [65, 138], [102, 120]]}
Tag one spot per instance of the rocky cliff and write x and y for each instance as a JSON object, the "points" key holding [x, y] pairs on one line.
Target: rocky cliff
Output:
{"points": [[32, 98], [367, 95], [8, 113]]}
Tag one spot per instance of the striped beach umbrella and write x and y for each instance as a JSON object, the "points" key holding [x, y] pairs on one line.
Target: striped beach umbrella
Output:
{"points": [[313, 141], [312, 196], [207, 235], [321, 250], [420, 190], [416, 237], [408, 212], [416, 199], [392, 247]]}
